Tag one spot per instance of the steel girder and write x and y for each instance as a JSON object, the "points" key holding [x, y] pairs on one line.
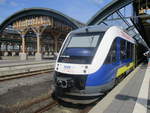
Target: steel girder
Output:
{"points": [[108, 10]]}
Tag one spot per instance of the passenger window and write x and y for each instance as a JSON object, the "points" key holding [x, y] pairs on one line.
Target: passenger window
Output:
{"points": [[128, 50], [123, 53], [111, 57], [131, 51]]}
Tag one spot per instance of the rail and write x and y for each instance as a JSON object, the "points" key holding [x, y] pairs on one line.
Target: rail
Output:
{"points": [[22, 75]]}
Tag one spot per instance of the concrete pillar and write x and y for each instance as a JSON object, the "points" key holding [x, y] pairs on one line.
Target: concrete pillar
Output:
{"points": [[38, 43], [38, 55], [13, 47], [6, 50], [2, 49], [23, 55], [13, 53], [56, 37], [6, 53], [46, 53], [23, 44], [19, 47], [56, 44]]}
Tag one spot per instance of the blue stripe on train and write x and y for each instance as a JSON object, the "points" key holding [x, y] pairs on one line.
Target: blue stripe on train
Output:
{"points": [[105, 74]]}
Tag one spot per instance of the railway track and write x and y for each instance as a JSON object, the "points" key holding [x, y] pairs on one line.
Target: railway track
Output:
{"points": [[23, 75], [39, 104], [47, 107], [55, 104]]}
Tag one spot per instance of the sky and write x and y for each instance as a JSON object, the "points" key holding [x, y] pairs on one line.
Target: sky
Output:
{"points": [[81, 10]]}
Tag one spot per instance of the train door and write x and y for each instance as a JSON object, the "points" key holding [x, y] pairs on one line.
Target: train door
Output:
{"points": [[111, 60], [123, 52], [134, 52]]}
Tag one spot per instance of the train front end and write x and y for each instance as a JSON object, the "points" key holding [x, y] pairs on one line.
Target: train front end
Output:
{"points": [[73, 66]]}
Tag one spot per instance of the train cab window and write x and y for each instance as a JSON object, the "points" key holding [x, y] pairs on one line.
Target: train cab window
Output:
{"points": [[123, 53], [80, 48], [111, 57]]}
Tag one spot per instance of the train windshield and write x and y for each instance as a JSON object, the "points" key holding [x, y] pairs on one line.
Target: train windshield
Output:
{"points": [[80, 48]]}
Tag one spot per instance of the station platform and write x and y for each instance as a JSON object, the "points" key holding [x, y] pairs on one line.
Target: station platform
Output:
{"points": [[19, 62], [132, 95], [10, 67]]}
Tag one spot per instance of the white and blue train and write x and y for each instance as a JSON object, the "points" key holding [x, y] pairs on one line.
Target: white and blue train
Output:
{"points": [[90, 61]]}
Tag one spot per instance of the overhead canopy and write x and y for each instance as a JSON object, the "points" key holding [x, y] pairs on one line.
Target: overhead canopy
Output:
{"points": [[143, 6], [108, 10], [140, 17]]}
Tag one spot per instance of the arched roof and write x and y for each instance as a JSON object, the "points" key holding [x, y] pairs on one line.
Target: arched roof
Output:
{"points": [[115, 5], [40, 12], [108, 10]]}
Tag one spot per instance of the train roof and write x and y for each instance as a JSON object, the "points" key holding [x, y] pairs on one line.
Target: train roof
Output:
{"points": [[117, 31], [95, 28]]}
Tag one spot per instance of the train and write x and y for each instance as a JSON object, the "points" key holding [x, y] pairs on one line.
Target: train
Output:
{"points": [[91, 61]]}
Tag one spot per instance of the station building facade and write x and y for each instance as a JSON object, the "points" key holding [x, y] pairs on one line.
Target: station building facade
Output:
{"points": [[40, 32], [35, 32]]}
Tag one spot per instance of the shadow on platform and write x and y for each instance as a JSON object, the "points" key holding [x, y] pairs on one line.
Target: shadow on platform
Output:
{"points": [[126, 98]]}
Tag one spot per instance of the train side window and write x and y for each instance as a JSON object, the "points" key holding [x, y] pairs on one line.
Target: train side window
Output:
{"points": [[123, 53], [111, 57], [131, 52], [128, 50]]}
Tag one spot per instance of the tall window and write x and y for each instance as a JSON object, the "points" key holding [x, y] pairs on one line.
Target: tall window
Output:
{"points": [[123, 49], [128, 48], [132, 49]]}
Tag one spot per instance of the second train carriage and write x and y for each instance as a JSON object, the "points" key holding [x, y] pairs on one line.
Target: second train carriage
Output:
{"points": [[90, 61]]}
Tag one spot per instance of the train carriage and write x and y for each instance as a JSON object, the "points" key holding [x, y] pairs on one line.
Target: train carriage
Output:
{"points": [[90, 62]]}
